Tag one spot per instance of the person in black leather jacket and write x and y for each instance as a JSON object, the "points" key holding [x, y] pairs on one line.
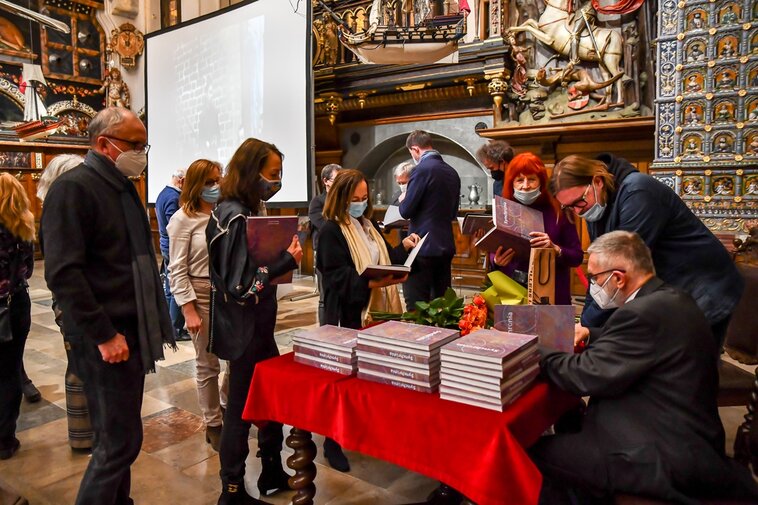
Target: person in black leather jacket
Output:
{"points": [[243, 311]]}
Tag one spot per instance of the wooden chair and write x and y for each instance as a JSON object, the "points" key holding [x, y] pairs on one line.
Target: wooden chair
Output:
{"points": [[738, 387]]}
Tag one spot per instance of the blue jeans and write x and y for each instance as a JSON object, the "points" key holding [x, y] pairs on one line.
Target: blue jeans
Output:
{"points": [[177, 318]]}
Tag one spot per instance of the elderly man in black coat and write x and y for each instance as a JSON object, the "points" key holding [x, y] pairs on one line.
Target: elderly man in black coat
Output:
{"points": [[652, 426]]}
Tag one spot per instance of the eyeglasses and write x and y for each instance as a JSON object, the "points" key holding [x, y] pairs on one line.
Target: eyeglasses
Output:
{"points": [[211, 182], [592, 278], [136, 146], [580, 202]]}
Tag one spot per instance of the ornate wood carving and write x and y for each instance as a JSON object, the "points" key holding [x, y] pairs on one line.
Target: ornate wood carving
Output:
{"points": [[302, 463]]}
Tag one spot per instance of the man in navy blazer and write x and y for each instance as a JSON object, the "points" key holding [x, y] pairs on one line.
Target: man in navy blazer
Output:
{"points": [[431, 204]]}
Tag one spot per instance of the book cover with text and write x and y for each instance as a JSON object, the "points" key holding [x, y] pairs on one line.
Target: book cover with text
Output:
{"points": [[267, 238], [553, 324], [415, 336], [488, 345]]}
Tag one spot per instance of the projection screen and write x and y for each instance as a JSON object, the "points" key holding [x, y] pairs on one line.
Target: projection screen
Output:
{"points": [[217, 80]]}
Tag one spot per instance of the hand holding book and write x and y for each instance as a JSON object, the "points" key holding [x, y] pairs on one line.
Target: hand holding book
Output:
{"points": [[503, 256], [388, 280], [295, 249], [411, 241]]}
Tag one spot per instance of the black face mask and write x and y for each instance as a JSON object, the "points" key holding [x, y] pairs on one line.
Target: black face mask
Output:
{"points": [[498, 175]]}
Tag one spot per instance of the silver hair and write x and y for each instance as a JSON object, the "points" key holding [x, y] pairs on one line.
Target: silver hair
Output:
{"points": [[57, 166], [179, 173], [105, 121], [623, 248], [328, 171], [403, 169]]}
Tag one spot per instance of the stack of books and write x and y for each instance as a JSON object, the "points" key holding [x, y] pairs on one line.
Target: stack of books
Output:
{"points": [[488, 368], [403, 355], [328, 347]]}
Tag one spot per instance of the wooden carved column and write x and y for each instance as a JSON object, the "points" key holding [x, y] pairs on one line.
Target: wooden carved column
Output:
{"points": [[302, 463]]}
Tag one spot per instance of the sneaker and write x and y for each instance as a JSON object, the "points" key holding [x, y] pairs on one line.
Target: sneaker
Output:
{"points": [[31, 393]]}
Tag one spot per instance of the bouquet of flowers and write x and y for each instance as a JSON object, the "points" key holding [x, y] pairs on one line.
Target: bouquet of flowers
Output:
{"points": [[475, 316]]}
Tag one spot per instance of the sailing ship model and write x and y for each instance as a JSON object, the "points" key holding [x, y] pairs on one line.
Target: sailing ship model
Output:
{"points": [[431, 39], [37, 123]]}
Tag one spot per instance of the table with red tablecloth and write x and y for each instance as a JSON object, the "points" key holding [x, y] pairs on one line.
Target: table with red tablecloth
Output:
{"points": [[479, 452]]}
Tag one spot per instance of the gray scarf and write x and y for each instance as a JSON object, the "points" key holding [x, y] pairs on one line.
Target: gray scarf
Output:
{"points": [[153, 321]]}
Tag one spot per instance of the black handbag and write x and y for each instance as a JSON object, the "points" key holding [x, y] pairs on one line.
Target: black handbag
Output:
{"points": [[6, 334]]}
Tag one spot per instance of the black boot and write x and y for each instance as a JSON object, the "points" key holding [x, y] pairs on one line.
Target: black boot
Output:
{"points": [[30, 391], [335, 456], [273, 478], [234, 493]]}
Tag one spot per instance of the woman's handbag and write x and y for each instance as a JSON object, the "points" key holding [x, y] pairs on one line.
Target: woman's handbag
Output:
{"points": [[5, 322]]}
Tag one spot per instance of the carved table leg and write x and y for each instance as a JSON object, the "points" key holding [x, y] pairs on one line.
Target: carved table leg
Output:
{"points": [[302, 463]]}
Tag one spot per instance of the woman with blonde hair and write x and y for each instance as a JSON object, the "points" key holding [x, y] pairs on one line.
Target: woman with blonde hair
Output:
{"points": [[16, 265], [191, 285]]}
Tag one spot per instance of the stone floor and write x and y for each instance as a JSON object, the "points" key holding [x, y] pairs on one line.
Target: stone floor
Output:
{"points": [[175, 464]]}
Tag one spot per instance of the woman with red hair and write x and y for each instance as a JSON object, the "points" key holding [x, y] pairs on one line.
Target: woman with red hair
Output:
{"points": [[526, 182]]}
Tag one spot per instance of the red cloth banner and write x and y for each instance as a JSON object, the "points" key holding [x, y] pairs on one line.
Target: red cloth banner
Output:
{"points": [[479, 452], [622, 7]]}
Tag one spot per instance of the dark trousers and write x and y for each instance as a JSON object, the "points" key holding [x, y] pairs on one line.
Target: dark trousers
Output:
{"points": [[11, 356], [321, 307], [174, 311], [114, 396], [429, 279], [235, 433]]}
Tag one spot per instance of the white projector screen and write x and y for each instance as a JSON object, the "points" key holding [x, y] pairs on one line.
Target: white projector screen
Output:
{"points": [[222, 78]]}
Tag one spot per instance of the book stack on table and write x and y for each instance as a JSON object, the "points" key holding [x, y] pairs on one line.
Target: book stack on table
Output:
{"points": [[402, 354], [328, 347], [488, 368]]}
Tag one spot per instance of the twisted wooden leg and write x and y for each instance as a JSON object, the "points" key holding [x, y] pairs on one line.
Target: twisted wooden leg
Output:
{"points": [[302, 463]]}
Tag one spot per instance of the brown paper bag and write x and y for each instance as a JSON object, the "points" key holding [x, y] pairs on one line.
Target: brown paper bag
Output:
{"points": [[541, 286]]}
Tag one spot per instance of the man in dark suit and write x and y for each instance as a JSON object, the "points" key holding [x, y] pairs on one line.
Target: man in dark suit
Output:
{"points": [[431, 204], [652, 426], [315, 209]]}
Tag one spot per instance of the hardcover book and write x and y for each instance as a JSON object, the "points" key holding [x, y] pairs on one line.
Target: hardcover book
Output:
{"points": [[329, 366], [397, 353], [407, 335], [333, 337], [484, 368], [488, 377], [488, 345], [391, 381], [426, 377], [406, 380], [379, 271], [456, 395], [516, 383], [472, 223], [267, 238], [553, 324], [326, 354], [393, 219], [512, 223], [381, 359]]}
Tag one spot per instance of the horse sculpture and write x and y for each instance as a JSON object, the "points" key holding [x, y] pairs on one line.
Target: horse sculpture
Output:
{"points": [[554, 29]]}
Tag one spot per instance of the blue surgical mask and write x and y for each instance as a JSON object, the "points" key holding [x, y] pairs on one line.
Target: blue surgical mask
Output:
{"points": [[595, 212], [527, 197], [358, 208], [211, 194], [268, 188]]}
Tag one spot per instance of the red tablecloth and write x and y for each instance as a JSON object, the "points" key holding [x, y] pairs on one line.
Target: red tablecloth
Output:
{"points": [[476, 451]]}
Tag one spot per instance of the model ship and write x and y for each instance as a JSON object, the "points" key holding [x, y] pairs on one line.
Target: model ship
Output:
{"points": [[37, 123], [404, 35]]}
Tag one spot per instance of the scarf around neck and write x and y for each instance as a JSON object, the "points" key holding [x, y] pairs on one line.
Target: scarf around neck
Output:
{"points": [[153, 322], [384, 299]]}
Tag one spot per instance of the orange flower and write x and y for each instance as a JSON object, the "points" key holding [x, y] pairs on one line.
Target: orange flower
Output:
{"points": [[479, 301]]}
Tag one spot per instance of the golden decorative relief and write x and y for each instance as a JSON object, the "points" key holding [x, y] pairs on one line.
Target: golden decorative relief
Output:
{"points": [[707, 159], [680, 36], [678, 173], [678, 159], [738, 157], [708, 198], [747, 26], [740, 126], [739, 171], [712, 31], [681, 5], [708, 127], [708, 172], [679, 67], [413, 87], [738, 199], [711, 64], [679, 99], [709, 96], [743, 59], [678, 129], [742, 92]]}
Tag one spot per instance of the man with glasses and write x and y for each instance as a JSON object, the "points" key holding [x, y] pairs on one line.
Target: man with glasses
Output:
{"points": [[166, 205], [100, 266], [610, 194], [652, 426]]}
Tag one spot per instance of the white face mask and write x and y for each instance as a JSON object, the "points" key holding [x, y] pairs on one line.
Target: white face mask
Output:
{"points": [[403, 187], [601, 296], [526, 197], [130, 163]]}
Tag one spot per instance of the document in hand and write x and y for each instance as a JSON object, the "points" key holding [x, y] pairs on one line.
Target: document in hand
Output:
{"points": [[393, 219], [553, 324], [267, 237], [512, 224], [379, 271]]}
